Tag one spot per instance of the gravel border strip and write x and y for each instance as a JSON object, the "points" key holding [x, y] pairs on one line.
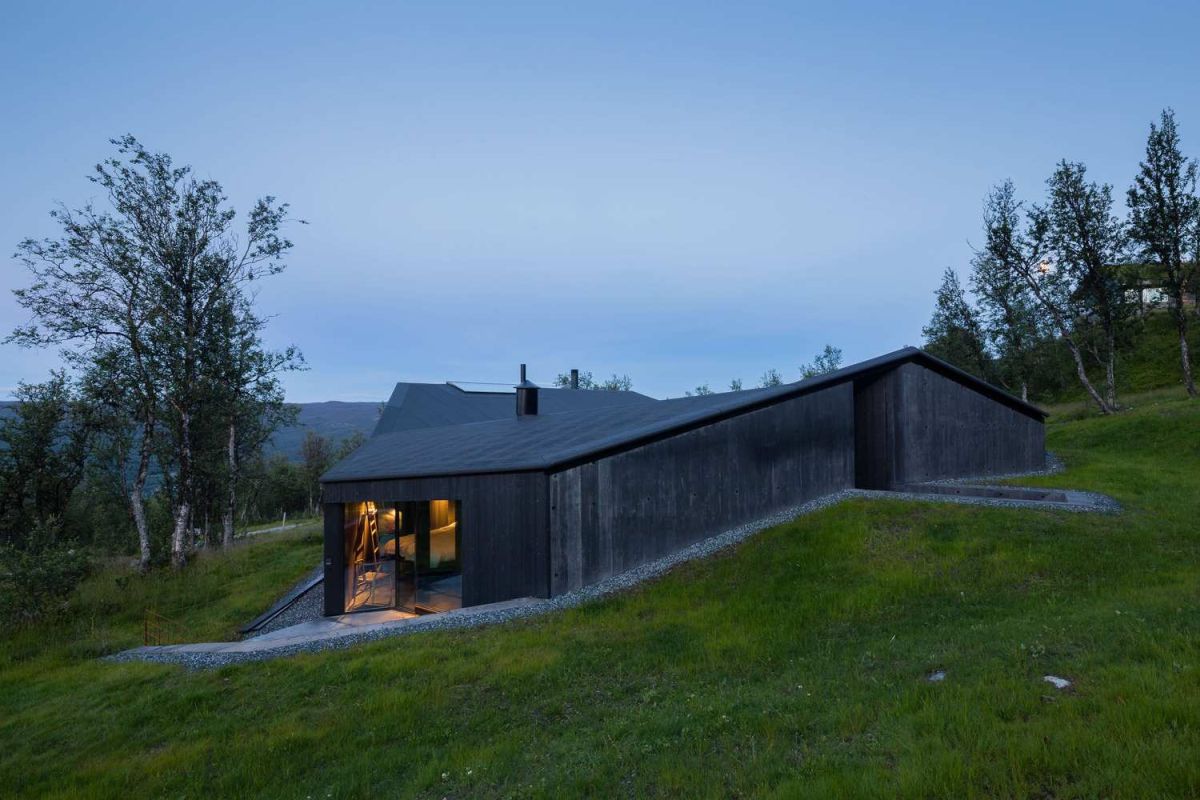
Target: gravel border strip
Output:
{"points": [[305, 607], [1079, 502]]}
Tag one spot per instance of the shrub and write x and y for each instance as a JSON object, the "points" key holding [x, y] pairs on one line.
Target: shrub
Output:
{"points": [[38, 580]]}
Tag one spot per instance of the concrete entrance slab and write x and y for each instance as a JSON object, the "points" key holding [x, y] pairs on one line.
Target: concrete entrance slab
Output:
{"points": [[367, 624]]}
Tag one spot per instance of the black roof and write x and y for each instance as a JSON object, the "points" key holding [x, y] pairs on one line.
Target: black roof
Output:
{"points": [[553, 440], [435, 405]]}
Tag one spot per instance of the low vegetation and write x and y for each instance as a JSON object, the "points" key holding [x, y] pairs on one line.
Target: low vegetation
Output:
{"points": [[795, 665]]}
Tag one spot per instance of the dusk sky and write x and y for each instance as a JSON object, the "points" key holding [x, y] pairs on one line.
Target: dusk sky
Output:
{"points": [[685, 193]]}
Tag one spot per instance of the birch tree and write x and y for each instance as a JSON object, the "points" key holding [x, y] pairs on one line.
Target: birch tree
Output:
{"points": [[244, 377], [91, 289], [137, 287], [1164, 213], [1020, 241], [183, 228], [1088, 242], [1008, 316]]}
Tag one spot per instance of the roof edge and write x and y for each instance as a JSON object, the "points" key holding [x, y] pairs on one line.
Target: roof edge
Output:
{"points": [[786, 392]]}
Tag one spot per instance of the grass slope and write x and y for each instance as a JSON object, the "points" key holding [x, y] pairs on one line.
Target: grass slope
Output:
{"points": [[792, 667], [1148, 362]]}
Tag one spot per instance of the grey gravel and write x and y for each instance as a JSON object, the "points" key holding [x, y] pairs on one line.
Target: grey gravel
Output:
{"points": [[308, 607]]}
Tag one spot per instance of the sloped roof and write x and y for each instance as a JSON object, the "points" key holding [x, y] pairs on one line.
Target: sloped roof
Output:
{"points": [[553, 440], [436, 405]]}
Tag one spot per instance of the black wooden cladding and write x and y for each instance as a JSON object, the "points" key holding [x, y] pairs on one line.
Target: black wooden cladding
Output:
{"points": [[612, 514], [502, 520], [875, 431], [335, 558], [914, 425], [947, 430], [540, 533]]}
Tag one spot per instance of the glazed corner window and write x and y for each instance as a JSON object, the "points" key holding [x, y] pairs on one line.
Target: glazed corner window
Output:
{"points": [[370, 538], [405, 555]]}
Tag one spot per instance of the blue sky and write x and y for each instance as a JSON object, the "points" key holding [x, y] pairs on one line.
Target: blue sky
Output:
{"points": [[686, 193]]}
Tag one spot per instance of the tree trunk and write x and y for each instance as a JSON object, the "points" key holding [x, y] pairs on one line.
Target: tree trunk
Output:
{"points": [[1081, 371], [1065, 332], [1185, 355], [183, 513], [1110, 372], [231, 499], [1024, 391], [183, 509], [137, 503]]}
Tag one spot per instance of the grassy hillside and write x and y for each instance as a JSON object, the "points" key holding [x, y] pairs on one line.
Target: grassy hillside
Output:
{"points": [[1150, 361], [794, 666]]}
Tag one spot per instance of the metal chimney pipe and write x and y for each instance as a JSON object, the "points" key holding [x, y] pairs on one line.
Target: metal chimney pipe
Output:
{"points": [[527, 396], [574, 379]]}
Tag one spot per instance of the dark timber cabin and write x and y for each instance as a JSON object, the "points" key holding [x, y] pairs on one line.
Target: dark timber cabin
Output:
{"points": [[463, 497]]}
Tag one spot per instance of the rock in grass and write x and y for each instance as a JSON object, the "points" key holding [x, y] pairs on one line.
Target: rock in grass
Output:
{"points": [[937, 676], [1059, 683]]}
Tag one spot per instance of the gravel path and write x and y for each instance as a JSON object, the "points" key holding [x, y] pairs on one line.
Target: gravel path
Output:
{"points": [[308, 607], [305, 608]]}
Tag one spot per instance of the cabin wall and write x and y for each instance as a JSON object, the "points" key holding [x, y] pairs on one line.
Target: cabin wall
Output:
{"points": [[619, 511], [944, 429], [914, 425], [503, 522], [876, 398]]}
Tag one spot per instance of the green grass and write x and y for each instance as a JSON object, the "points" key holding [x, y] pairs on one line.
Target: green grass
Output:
{"points": [[1149, 362], [793, 666], [217, 594]]}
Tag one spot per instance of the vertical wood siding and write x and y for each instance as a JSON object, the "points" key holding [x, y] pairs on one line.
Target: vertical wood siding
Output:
{"points": [[947, 430], [875, 402], [335, 560], [617, 512]]}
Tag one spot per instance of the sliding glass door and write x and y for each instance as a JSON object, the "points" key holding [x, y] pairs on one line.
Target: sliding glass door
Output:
{"points": [[370, 536], [404, 555]]}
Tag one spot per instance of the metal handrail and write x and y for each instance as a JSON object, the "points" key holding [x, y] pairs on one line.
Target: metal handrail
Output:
{"points": [[160, 630]]}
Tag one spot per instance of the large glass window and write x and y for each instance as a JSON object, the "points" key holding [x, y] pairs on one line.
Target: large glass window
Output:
{"points": [[403, 555], [439, 573], [370, 535]]}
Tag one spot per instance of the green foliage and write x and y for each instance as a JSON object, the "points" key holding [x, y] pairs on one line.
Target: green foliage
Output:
{"points": [[154, 291], [615, 383], [954, 333], [1164, 213], [770, 378], [828, 360], [44, 445], [37, 578], [1008, 312]]}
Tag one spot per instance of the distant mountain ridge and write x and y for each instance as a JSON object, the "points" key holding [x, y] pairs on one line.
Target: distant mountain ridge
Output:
{"points": [[334, 419]]}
